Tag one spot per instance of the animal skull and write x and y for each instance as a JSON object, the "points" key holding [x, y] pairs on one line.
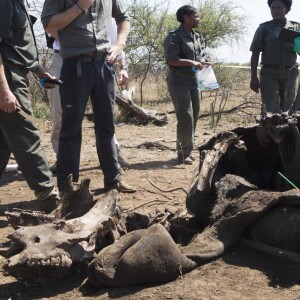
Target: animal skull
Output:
{"points": [[46, 252]]}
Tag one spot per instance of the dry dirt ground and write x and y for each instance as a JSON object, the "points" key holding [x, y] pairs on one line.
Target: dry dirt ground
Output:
{"points": [[242, 273]]}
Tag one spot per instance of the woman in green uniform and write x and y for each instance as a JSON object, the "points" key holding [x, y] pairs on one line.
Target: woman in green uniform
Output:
{"points": [[184, 49]]}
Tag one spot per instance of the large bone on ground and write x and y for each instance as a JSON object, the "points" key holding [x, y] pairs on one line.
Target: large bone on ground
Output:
{"points": [[199, 197], [141, 114], [43, 253], [75, 202], [140, 257]]}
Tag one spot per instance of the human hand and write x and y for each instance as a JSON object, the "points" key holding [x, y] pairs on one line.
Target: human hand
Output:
{"points": [[85, 4], [254, 85], [123, 77], [207, 63], [42, 74], [114, 51], [198, 65], [8, 102]]}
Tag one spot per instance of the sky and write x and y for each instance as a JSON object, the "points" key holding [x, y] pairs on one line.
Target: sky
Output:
{"points": [[257, 11]]}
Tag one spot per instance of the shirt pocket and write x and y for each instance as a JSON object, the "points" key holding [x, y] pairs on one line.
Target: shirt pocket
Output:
{"points": [[19, 17], [271, 36], [187, 50]]}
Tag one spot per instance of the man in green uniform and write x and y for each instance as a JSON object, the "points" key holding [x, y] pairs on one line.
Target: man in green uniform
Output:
{"points": [[184, 49], [18, 56], [278, 59]]}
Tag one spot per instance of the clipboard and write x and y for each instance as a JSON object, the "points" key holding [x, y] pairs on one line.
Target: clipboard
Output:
{"points": [[288, 35]]}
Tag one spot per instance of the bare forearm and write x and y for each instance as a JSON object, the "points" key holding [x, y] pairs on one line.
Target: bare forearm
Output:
{"points": [[254, 64], [123, 30], [182, 63], [61, 20], [8, 101], [4, 88]]}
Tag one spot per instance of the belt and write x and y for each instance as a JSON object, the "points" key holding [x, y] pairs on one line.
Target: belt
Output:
{"points": [[98, 57], [87, 58], [180, 73], [56, 51], [278, 67]]}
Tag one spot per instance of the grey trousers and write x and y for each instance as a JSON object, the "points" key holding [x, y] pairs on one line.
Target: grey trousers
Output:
{"points": [[20, 137], [186, 100], [278, 88]]}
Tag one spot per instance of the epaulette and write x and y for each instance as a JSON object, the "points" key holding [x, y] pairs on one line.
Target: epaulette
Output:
{"points": [[295, 23], [173, 31]]}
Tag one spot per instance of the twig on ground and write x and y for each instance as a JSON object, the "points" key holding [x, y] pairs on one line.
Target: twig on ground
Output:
{"points": [[159, 194], [228, 111], [147, 203], [166, 191]]}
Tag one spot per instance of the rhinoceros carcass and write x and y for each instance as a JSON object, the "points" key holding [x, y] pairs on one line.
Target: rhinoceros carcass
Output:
{"points": [[239, 185], [140, 257], [42, 253]]}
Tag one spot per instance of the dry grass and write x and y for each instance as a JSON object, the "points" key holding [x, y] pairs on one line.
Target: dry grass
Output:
{"points": [[234, 92]]}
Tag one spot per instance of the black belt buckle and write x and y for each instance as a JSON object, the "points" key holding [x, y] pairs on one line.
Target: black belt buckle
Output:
{"points": [[93, 56], [278, 67]]}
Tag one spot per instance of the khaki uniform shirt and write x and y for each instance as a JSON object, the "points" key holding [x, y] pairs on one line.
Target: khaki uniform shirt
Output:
{"points": [[89, 32], [274, 51], [18, 44], [179, 45]]}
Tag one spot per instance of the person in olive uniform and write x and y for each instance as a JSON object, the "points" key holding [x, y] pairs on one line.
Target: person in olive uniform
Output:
{"points": [[87, 70], [18, 56], [184, 49], [278, 60]]}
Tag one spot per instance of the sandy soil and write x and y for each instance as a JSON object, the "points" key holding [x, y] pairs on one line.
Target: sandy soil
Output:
{"points": [[242, 273]]}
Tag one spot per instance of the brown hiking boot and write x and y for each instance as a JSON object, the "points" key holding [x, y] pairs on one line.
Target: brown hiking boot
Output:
{"points": [[49, 204], [185, 160], [48, 200], [122, 187], [53, 169]]}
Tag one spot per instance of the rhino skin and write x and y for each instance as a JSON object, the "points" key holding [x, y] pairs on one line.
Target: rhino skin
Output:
{"points": [[140, 257], [238, 185], [43, 253], [279, 228]]}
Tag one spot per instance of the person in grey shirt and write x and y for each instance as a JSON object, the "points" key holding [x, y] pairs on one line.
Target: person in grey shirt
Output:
{"points": [[83, 30]]}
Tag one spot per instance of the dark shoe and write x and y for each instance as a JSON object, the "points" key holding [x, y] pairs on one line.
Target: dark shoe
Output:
{"points": [[192, 157], [188, 161], [49, 204], [122, 187], [123, 163], [11, 168], [53, 168], [185, 160]]}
